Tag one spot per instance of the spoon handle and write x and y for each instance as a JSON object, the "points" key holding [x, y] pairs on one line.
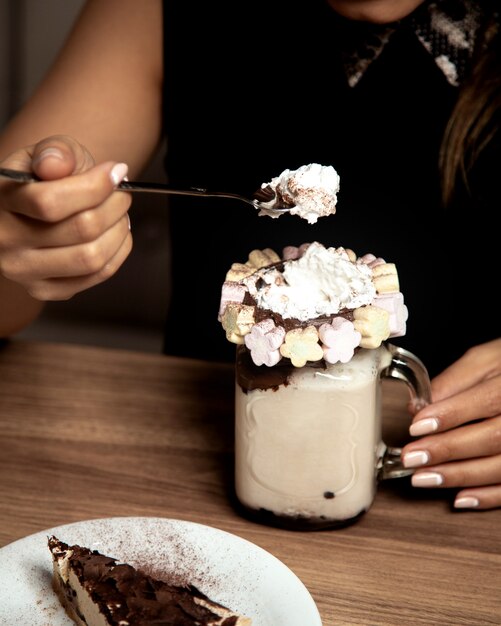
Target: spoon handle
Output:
{"points": [[135, 186], [18, 176]]}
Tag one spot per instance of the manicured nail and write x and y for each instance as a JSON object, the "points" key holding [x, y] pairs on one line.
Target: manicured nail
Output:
{"points": [[52, 153], [118, 173], [427, 479], [466, 502], [424, 427], [416, 458]]}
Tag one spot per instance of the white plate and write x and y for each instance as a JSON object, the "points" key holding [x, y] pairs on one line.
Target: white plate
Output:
{"points": [[229, 569]]}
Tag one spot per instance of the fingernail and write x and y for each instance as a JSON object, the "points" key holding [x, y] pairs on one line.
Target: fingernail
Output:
{"points": [[416, 458], [466, 502], [118, 173], [53, 153], [427, 479], [423, 427], [128, 218]]}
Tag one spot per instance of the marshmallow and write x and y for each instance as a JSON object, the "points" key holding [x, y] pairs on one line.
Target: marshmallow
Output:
{"points": [[385, 277], [264, 341], [394, 304], [237, 321], [230, 292], [262, 258], [371, 260], [340, 340], [373, 324], [239, 271], [301, 345]]}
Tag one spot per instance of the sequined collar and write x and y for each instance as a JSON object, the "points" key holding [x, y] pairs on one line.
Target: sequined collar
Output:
{"points": [[446, 28]]}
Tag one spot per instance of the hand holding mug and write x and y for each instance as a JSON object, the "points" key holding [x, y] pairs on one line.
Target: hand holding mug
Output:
{"points": [[460, 441]]}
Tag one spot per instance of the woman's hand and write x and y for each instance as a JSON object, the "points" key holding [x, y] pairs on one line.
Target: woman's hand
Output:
{"points": [[462, 446], [68, 232]]}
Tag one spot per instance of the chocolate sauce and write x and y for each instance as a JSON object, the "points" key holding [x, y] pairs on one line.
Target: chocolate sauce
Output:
{"points": [[250, 376], [289, 323]]}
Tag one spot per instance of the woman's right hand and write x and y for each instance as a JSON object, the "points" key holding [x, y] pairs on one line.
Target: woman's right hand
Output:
{"points": [[69, 232]]}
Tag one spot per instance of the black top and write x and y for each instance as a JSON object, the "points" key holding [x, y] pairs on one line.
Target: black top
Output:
{"points": [[257, 88]]}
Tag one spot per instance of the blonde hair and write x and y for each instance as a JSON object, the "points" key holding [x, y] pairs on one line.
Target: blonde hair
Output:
{"points": [[475, 118]]}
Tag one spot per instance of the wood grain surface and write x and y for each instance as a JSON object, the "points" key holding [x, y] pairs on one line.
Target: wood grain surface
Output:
{"points": [[90, 432]]}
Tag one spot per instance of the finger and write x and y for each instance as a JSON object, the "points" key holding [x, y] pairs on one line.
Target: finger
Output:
{"points": [[473, 440], [53, 201], [29, 267], [65, 288], [59, 156], [480, 362], [481, 498], [470, 473], [24, 232], [481, 401], [51, 158]]}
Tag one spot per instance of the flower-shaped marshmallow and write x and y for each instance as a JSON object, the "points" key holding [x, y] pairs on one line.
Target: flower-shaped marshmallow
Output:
{"points": [[301, 345], [256, 260], [373, 324], [371, 260], [290, 253], [238, 271], [237, 320], [262, 258], [264, 341], [340, 340]]}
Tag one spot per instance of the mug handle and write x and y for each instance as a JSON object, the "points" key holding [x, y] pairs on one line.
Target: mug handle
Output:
{"points": [[407, 367]]}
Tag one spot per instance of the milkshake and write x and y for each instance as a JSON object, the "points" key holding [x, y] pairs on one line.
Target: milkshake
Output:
{"points": [[308, 440], [311, 327]]}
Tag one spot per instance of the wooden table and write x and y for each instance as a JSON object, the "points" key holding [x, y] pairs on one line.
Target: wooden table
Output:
{"points": [[91, 432]]}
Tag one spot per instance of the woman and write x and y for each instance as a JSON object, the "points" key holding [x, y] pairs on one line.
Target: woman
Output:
{"points": [[402, 98]]}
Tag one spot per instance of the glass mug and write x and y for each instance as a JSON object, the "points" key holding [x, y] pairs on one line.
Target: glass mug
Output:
{"points": [[309, 451]]}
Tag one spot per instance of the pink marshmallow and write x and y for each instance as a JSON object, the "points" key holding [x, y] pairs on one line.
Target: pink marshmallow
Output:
{"points": [[394, 303], [340, 340], [230, 292], [371, 260], [264, 341], [290, 253]]}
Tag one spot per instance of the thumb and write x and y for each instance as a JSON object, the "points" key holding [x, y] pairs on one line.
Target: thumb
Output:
{"points": [[59, 156]]}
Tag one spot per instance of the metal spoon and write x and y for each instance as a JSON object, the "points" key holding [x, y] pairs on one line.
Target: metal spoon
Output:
{"points": [[264, 199]]}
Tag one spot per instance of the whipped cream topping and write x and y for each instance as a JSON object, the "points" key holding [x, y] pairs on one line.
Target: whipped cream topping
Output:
{"points": [[311, 303], [321, 282], [310, 192]]}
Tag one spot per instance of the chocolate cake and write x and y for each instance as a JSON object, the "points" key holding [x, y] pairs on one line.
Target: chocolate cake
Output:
{"points": [[98, 590]]}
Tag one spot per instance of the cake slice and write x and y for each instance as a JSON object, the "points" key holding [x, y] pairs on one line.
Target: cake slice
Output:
{"points": [[98, 590]]}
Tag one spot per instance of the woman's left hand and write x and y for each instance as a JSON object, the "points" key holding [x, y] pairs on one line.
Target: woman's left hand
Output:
{"points": [[460, 444]]}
